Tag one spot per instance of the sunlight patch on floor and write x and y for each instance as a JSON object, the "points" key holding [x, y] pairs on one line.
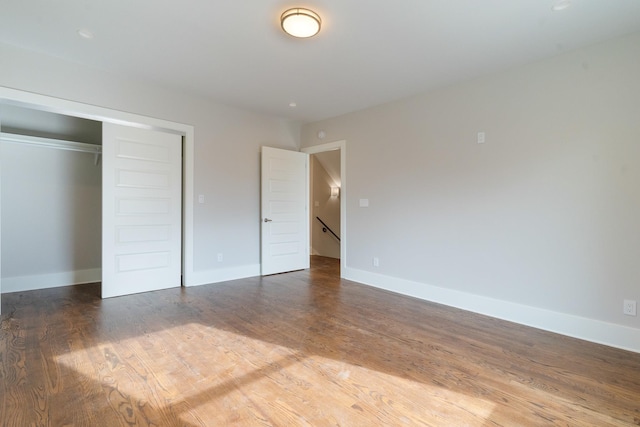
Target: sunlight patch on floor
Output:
{"points": [[242, 380]]}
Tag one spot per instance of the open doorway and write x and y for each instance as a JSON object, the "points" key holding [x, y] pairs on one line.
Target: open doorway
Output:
{"points": [[327, 201], [325, 183]]}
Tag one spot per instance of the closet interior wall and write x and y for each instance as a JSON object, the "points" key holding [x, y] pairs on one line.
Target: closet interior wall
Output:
{"points": [[51, 200]]}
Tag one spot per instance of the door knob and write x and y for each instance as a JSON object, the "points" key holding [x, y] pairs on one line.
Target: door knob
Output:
{"points": [[267, 220]]}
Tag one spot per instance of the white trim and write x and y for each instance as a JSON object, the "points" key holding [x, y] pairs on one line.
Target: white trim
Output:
{"points": [[224, 274], [566, 324], [56, 144], [92, 112], [77, 109], [59, 144], [342, 146], [51, 280]]}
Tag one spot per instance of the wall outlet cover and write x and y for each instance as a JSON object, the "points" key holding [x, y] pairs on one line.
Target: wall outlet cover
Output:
{"points": [[629, 307]]}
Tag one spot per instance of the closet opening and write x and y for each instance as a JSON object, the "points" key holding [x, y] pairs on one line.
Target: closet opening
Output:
{"points": [[51, 199], [83, 262]]}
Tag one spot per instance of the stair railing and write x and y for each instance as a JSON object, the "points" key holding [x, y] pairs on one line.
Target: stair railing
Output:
{"points": [[326, 228]]}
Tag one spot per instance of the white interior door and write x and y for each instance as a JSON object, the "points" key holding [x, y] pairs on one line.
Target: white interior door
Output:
{"points": [[285, 223], [141, 210]]}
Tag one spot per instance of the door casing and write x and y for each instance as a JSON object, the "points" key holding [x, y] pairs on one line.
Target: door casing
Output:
{"points": [[342, 146]]}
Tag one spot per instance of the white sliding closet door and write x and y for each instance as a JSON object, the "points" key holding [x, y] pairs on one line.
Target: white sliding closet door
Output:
{"points": [[141, 210]]}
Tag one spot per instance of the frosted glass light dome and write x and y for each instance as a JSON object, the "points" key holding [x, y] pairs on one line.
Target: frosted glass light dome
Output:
{"points": [[301, 23]]}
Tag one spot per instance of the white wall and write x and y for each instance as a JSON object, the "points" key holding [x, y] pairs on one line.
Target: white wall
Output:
{"points": [[327, 208], [51, 217], [227, 145], [540, 224]]}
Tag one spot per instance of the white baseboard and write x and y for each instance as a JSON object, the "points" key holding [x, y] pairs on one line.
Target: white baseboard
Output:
{"points": [[566, 324], [596, 331], [206, 277], [51, 280]]}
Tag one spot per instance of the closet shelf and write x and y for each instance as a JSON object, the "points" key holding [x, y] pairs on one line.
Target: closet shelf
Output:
{"points": [[58, 144]]}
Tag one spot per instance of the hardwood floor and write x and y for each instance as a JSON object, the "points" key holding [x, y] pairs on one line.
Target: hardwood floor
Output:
{"points": [[302, 348]]}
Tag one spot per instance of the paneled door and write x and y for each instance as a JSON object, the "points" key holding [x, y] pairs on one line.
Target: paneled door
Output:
{"points": [[141, 210], [285, 221]]}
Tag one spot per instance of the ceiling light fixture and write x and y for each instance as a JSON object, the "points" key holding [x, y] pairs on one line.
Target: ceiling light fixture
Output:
{"points": [[301, 23]]}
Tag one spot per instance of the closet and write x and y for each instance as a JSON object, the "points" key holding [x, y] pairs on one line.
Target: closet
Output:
{"points": [[51, 195], [90, 194]]}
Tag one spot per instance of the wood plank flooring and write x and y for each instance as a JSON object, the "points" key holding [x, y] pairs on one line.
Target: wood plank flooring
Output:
{"points": [[296, 349]]}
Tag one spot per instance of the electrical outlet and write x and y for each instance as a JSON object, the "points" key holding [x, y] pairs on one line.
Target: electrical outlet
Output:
{"points": [[376, 262], [220, 257], [481, 137], [629, 307]]}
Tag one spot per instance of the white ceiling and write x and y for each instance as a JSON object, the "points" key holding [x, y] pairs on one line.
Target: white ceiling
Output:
{"points": [[367, 53]]}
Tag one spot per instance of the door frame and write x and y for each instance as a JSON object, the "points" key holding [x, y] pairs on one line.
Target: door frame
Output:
{"points": [[321, 148], [92, 112]]}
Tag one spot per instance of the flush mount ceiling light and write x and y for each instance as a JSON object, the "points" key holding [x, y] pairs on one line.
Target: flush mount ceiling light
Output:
{"points": [[301, 23]]}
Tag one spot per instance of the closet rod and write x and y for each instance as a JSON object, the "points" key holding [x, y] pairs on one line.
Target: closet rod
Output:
{"points": [[51, 143]]}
